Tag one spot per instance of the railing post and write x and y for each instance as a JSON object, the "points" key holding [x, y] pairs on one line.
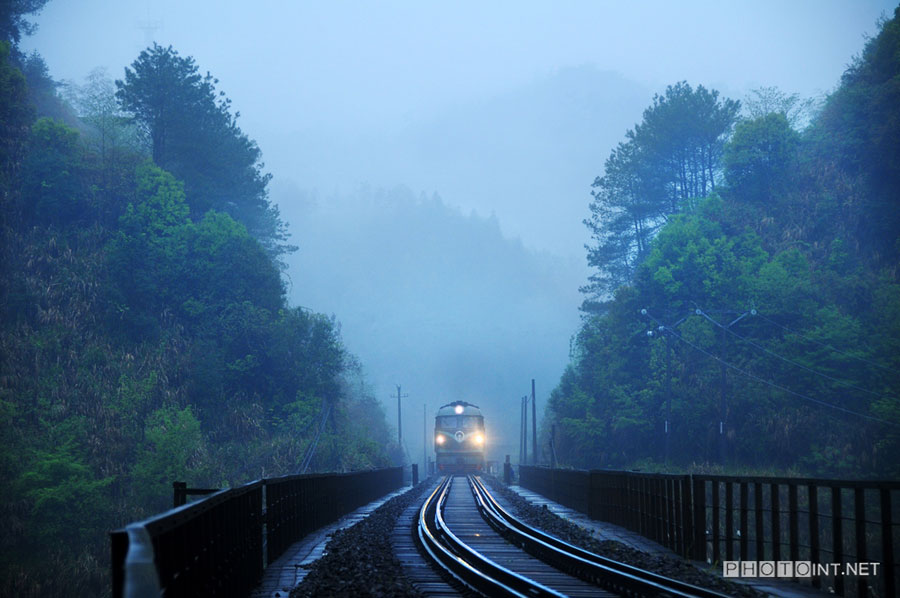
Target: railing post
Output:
{"points": [[179, 493], [859, 508], [593, 495], [837, 536], [658, 509], [813, 492], [758, 509], [729, 520], [687, 529], [672, 510], [776, 521], [715, 521], [745, 521], [415, 474], [887, 543], [793, 522], [699, 500]]}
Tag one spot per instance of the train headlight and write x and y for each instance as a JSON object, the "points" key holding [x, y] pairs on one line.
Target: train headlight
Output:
{"points": [[439, 439], [479, 439], [459, 409]]}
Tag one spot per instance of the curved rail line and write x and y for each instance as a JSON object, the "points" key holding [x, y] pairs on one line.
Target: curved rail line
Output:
{"points": [[480, 573], [464, 563]]}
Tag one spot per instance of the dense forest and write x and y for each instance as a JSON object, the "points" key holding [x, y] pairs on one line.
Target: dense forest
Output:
{"points": [[744, 311], [144, 332]]}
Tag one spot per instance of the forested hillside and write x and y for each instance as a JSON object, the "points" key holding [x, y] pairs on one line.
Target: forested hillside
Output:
{"points": [[746, 272], [144, 332]]}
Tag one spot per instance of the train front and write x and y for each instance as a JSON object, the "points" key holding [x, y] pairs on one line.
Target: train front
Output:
{"points": [[459, 438]]}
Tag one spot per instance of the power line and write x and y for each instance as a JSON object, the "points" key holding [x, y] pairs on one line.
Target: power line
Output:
{"points": [[827, 346], [778, 386], [311, 450], [793, 363], [273, 448]]}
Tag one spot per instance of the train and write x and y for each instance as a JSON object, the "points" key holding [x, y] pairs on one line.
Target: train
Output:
{"points": [[459, 438]]}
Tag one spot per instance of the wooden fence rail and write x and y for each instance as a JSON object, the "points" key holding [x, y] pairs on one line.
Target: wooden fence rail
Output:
{"points": [[726, 518]]}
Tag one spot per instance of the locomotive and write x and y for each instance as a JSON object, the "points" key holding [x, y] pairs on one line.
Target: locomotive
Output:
{"points": [[459, 438]]}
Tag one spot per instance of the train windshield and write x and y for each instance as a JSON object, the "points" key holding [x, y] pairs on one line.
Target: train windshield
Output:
{"points": [[467, 422]]}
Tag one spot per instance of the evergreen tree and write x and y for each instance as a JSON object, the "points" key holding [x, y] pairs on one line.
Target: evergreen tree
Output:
{"points": [[12, 18], [193, 135], [859, 131], [669, 160], [16, 115]]}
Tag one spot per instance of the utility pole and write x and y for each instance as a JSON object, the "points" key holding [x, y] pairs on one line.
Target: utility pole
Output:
{"points": [[553, 446], [534, 443], [722, 399], [664, 329], [399, 424], [668, 395], [524, 431], [424, 440], [149, 27], [724, 381]]}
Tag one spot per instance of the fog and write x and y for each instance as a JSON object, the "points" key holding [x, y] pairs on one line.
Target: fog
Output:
{"points": [[435, 161]]}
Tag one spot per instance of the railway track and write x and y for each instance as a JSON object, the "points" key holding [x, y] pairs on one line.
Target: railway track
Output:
{"points": [[464, 531]]}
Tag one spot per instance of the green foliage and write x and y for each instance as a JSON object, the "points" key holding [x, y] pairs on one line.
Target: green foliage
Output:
{"points": [[68, 502], [172, 442], [145, 335], [194, 135], [670, 160], [760, 156], [53, 184], [143, 255], [858, 132], [161, 209], [15, 116], [694, 258], [801, 236], [12, 18]]}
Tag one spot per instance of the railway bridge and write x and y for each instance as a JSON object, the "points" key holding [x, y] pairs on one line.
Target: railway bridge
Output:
{"points": [[462, 537]]}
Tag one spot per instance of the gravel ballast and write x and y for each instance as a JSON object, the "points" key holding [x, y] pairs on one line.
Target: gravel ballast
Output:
{"points": [[359, 560]]}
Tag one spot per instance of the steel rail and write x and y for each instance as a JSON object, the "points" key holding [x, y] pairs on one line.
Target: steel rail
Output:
{"points": [[602, 571], [464, 563]]}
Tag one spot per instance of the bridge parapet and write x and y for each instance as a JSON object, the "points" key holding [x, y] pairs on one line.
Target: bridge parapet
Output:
{"points": [[220, 545], [729, 518]]}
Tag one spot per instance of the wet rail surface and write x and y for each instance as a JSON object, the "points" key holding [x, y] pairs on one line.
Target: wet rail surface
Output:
{"points": [[464, 519], [469, 535]]}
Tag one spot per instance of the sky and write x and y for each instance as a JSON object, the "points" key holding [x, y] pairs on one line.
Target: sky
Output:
{"points": [[360, 72], [505, 111], [351, 62]]}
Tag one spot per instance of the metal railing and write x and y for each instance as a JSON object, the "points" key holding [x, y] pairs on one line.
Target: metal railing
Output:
{"points": [[716, 518], [220, 545], [299, 504]]}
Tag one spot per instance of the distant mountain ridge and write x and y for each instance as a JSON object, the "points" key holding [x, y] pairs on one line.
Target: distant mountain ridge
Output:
{"points": [[528, 155]]}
